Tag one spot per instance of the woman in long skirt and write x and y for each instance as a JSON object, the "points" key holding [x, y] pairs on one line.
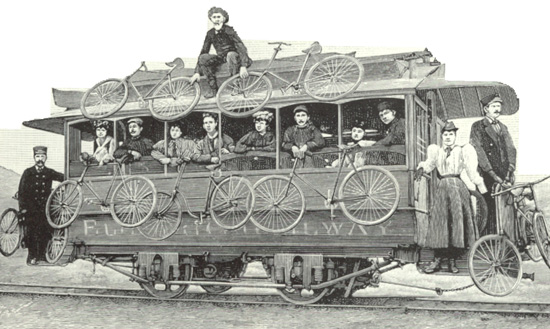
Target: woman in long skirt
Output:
{"points": [[451, 226]]}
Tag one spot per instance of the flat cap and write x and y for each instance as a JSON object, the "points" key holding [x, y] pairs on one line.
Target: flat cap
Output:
{"points": [[136, 120], [301, 108]]}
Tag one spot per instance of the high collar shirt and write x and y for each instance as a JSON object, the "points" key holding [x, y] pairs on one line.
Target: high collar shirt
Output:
{"points": [[462, 161]]}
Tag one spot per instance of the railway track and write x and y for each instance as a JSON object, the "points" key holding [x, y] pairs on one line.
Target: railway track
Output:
{"points": [[401, 304]]}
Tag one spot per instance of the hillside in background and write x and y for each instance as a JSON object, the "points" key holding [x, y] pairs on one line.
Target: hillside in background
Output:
{"points": [[9, 182]]}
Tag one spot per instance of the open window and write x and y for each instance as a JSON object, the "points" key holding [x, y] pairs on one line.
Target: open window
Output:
{"points": [[382, 143], [323, 118]]}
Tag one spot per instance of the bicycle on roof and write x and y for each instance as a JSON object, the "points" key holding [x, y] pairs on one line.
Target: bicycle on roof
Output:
{"points": [[330, 79], [132, 201], [169, 99]]}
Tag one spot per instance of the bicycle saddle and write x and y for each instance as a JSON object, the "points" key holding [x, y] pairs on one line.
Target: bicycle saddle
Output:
{"points": [[314, 49], [177, 62], [213, 167]]}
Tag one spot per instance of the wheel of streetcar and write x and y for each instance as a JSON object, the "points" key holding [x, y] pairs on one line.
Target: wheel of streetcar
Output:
{"points": [[10, 232], [214, 290], [174, 99], [542, 236], [160, 289], [369, 196], [239, 97], [165, 220], [495, 265], [333, 77], [280, 204], [133, 201], [104, 99], [56, 245], [232, 202], [64, 204], [302, 296], [533, 250]]}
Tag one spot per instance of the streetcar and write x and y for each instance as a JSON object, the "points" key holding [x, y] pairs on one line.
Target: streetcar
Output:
{"points": [[326, 245]]}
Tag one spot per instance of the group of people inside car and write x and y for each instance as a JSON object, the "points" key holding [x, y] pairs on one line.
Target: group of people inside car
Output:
{"points": [[298, 140]]}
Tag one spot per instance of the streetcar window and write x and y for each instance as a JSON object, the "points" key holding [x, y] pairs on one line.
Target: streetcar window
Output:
{"points": [[315, 125], [254, 141], [153, 131], [378, 126], [96, 138]]}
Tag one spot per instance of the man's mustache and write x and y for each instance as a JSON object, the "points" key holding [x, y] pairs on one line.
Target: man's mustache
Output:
{"points": [[39, 162]]}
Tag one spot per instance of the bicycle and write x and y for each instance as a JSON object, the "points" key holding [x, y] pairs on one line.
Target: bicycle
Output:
{"points": [[171, 100], [494, 261], [367, 195], [229, 201], [133, 201], [12, 232], [329, 79]]}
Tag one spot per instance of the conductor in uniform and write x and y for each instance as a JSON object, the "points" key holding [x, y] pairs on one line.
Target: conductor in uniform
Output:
{"points": [[495, 152], [34, 189]]}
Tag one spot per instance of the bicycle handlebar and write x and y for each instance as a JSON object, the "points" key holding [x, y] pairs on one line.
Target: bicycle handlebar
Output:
{"points": [[521, 186], [279, 43]]}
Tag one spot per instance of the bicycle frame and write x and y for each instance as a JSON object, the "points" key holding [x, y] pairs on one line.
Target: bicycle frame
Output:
{"points": [[329, 198], [101, 201], [211, 184], [289, 84], [148, 95]]}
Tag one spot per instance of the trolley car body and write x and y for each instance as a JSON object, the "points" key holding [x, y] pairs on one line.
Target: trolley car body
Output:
{"points": [[412, 81]]}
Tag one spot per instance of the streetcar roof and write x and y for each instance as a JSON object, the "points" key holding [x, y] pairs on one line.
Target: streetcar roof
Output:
{"points": [[385, 76]]}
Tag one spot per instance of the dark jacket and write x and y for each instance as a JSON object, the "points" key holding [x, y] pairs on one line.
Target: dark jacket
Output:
{"points": [[298, 136], [494, 151], [394, 134], [254, 140], [140, 144], [209, 147], [35, 188], [224, 41]]}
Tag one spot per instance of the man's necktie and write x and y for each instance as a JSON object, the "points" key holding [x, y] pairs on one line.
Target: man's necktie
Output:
{"points": [[496, 126]]}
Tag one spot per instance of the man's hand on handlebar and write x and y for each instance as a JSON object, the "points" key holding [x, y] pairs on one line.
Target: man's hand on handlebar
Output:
{"points": [[194, 78], [243, 73]]}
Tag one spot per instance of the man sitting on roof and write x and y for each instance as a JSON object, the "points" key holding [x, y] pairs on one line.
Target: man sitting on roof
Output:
{"points": [[136, 146], [229, 48]]}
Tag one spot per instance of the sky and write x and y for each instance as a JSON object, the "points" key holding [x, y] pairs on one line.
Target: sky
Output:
{"points": [[74, 44]]}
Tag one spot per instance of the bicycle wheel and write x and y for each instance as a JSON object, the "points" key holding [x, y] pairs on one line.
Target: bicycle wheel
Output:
{"points": [[104, 99], [333, 77], [280, 204], [542, 236], [495, 265], [174, 99], [56, 245], [10, 232], [532, 249], [165, 221], [369, 196], [133, 201], [232, 202], [64, 204], [241, 97]]}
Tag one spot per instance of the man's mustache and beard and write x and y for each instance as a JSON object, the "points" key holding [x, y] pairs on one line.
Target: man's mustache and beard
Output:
{"points": [[39, 163]]}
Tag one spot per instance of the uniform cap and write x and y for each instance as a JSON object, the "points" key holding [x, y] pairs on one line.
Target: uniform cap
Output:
{"points": [[40, 150], [488, 100]]}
